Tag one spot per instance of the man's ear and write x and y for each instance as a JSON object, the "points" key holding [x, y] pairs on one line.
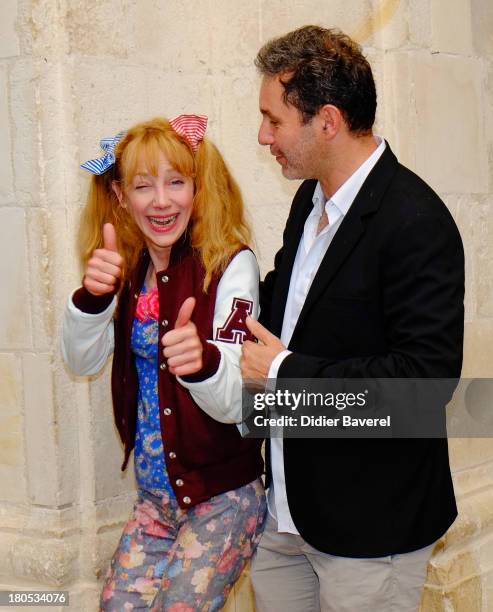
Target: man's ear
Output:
{"points": [[117, 190], [331, 119]]}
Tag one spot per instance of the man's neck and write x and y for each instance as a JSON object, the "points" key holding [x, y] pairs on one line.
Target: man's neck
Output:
{"points": [[346, 157]]}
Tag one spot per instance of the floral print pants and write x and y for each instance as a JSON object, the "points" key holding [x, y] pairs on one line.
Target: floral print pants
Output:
{"points": [[174, 560]]}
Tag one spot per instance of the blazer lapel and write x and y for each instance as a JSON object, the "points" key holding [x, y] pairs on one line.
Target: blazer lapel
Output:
{"points": [[352, 228], [300, 209]]}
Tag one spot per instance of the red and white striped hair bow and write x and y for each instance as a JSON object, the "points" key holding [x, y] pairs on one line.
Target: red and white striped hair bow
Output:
{"points": [[191, 127]]}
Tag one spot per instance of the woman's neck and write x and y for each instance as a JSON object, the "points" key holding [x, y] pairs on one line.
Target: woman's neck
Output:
{"points": [[159, 262]]}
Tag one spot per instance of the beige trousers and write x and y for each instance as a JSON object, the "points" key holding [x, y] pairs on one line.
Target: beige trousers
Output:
{"points": [[289, 575]]}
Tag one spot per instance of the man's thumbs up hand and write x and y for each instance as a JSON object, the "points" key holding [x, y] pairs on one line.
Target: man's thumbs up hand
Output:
{"points": [[105, 266], [182, 345]]}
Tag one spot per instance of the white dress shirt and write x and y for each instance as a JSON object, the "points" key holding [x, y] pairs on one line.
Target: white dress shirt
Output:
{"points": [[311, 251]]}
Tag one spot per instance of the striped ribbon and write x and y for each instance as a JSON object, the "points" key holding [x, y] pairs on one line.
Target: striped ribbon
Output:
{"points": [[101, 164], [191, 127]]}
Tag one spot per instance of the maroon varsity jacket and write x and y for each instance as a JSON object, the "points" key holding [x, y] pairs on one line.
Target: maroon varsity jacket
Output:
{"points": [[203, 456]]}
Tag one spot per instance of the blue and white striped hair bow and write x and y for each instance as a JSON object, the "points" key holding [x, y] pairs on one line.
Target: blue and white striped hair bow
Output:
{"points": [[101, 164]]}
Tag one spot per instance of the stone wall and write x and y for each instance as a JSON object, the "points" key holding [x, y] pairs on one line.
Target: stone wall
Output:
{"points": [[72, 71]]}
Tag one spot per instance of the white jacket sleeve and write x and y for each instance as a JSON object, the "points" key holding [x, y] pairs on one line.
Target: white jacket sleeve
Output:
{"points": [[220, 395], [87, 339]]}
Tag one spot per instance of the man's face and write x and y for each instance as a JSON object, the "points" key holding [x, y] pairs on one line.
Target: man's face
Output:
{"points": [[293, 143]]}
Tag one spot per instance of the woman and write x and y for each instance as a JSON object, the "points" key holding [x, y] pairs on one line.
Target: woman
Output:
{"points": [[167, 287]]}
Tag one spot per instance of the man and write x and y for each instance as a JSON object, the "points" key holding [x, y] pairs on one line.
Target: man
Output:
{"points": [[369, 283]]}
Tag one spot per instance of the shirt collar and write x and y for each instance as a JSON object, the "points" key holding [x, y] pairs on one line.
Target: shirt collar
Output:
{"points": [[345, 195]]}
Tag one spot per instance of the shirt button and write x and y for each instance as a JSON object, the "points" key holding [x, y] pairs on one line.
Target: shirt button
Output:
{"points": [[136, 296], [172, 455], [165, 279], [167, 411], [179, 482], [187, 500], [162, 366], [164, 322]]}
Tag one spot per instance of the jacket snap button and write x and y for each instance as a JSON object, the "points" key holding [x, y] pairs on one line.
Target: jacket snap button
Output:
{"points": [[179, 482], [172, 455], [162, 366], [165, 279], [187, 500], [167, 411], [164, 322]]}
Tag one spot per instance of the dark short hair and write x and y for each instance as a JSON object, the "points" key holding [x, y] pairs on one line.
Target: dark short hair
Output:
{"points": [[320, 66]]}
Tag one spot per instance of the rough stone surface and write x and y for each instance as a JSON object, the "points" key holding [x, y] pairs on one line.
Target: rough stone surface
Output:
{"points": [[451, 152], [482, 27], [12, 458], [41, 429], [9, 40], [6, 170], [451, 26], [15, 331]]}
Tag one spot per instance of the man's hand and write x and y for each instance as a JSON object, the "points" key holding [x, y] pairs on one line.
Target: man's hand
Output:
{"points": [[182, 345], [105, 266], [256, 359]]}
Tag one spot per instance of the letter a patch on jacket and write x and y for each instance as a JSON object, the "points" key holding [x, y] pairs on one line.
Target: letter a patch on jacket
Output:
{"points": [[234, 329]]}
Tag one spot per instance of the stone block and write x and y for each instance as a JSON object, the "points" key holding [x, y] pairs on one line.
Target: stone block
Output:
{"points": [[175, 36], [15, 331], [397, 105], [197, 37], [41, 430], [419, 23], [50, 562], [278, 17], [42, 28], [83, 598], [487, 587], [70, 419], [483, 258], [482, 27], [450, 152], [478, 349], [23, 87], [234, 35], [44, 138], [9, 39], [110, 481], [388, 23], [451, 26], [6, 172], [447, 569], [12, 461], [11, 387], [469, 452], [103, 28], [463, 597], [54, 270]]}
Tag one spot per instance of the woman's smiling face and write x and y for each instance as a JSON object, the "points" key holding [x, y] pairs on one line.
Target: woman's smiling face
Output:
{"points": [[160, 205]]}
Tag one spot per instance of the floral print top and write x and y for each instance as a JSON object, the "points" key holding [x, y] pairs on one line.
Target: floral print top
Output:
{"points": [[150, 467]]}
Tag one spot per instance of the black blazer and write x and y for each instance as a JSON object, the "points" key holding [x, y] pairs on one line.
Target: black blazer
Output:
{"points": [[386, 302]]}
